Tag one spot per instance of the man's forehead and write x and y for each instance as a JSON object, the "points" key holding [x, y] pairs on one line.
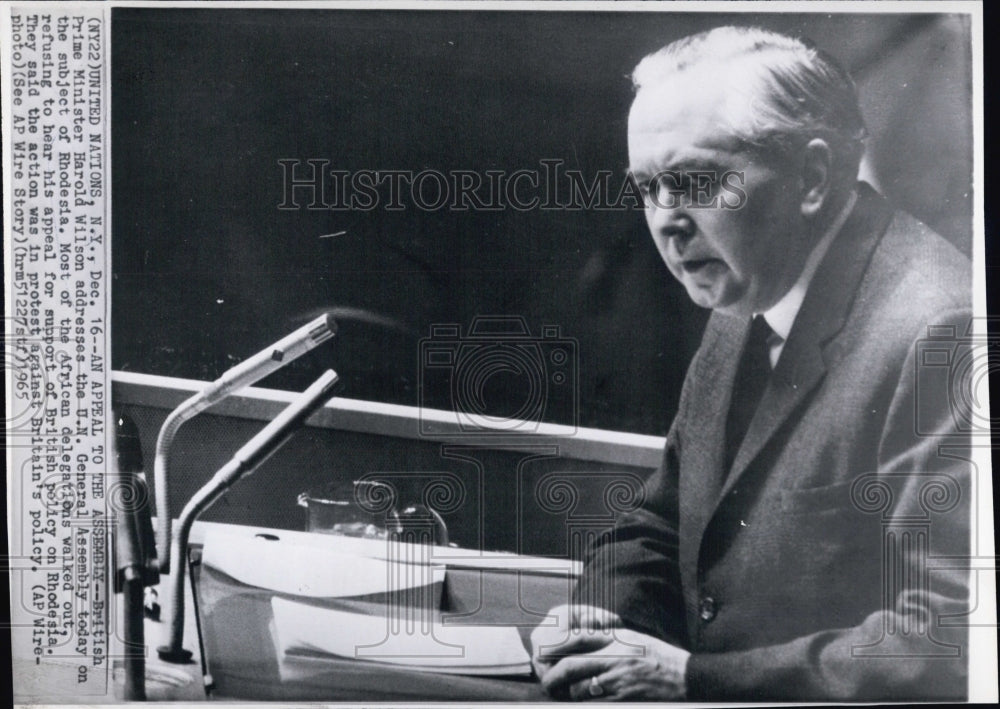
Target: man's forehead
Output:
{"points": [[702, 146], [690, 93], [681, 121]]}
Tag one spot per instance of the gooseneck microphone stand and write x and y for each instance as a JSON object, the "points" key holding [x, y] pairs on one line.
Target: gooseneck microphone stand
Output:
{"points": [[244, 462], [136, 564], [242, 375]]}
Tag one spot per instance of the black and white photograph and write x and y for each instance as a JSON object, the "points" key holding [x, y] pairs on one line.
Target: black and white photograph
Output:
{"points": [[498, 352]]}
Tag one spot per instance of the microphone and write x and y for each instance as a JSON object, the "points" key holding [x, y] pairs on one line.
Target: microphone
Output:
{"points": [[268, 360], [273, 435], [242, 375], [244, 461]]}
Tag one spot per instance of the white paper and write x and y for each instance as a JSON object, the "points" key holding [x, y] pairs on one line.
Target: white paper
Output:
{"points": [[414, 639], [312, 570]]}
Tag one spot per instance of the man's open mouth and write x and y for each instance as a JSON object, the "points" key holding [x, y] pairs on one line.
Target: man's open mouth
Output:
{"points": [[695, 265]]}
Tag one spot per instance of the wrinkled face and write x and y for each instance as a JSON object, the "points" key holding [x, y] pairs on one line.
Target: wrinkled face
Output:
{"points": [[726, 221]]}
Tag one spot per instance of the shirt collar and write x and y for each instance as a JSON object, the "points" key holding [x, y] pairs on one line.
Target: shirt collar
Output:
{"points": [[782, 314]]}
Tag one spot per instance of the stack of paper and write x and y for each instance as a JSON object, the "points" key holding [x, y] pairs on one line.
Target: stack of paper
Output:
{"points": [[404, 636], [316, 568]]}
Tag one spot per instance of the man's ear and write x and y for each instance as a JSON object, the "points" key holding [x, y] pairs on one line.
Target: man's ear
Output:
{"points": [[816, 176]]}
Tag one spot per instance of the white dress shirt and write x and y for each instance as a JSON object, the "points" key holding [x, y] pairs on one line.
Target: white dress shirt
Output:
{"points": [[781, 316]]}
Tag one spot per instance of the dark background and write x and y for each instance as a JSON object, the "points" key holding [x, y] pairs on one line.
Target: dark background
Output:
{"points": [[207, 269]]}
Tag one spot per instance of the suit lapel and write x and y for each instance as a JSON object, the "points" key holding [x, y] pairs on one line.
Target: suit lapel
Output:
{"points": [[804, 359], [701, 473]]}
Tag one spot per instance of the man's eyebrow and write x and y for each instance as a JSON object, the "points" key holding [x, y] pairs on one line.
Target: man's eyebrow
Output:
{"points": [[682, 165]]}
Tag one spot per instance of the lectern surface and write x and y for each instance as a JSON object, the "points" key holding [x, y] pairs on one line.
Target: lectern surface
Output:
{"points": [[243, 661]]}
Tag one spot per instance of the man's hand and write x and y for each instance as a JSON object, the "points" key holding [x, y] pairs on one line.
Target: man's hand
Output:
{"points": [[548, 641], [589, 656]]}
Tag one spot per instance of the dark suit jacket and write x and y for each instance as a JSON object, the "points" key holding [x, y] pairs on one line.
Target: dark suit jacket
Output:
{"points": [[814, 569]]}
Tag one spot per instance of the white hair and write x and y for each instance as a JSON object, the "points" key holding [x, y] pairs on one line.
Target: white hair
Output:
{"points": [[780, 91]]}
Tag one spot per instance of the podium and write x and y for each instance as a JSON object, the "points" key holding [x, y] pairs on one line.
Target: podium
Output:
{"points": [[241, 659], [537, 497]]}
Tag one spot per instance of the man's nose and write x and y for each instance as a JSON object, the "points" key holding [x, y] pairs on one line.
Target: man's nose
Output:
{"points": [[673, 222]]}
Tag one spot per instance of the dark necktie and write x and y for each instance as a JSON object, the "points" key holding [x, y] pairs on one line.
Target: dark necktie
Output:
{"points": [[751, 380]]}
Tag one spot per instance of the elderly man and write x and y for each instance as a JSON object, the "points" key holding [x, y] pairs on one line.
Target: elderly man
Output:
{"points": [[789, 545]]}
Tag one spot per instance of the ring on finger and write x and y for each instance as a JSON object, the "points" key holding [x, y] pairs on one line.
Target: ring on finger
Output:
{"points": [[595, 689]]}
